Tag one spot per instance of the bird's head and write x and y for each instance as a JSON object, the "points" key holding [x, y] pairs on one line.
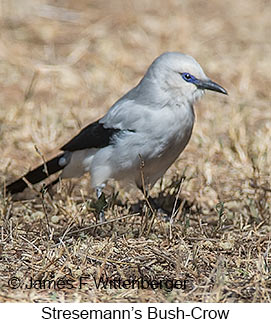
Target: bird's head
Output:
{"points": [[181, 75]]}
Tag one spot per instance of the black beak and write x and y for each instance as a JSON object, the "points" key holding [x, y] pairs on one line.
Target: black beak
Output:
{"points": [[210, 85]]}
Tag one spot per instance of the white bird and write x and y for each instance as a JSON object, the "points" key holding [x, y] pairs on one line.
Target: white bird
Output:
{"points": [[152, 123]]}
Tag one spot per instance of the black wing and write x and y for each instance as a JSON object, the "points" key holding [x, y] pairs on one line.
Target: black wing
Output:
{"points": [[94, 135]]}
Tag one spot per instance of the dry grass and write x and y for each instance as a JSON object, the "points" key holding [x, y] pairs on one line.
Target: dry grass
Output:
{"points": [[61, 68]]}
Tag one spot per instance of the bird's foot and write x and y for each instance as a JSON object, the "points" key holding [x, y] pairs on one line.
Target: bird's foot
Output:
{"points": [[101, 217]]}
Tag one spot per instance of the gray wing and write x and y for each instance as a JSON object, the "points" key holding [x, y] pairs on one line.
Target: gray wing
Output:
{"points": [[137, 110], [134, 112]]}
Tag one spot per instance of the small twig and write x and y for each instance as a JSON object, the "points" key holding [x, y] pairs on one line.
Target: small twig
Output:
{"points": [[101, 224], [174, 212], [33, 82], [145, 192], [31, 243], [43, 159], [264, 188], [49, 232], [162, 255], [111, 261]]}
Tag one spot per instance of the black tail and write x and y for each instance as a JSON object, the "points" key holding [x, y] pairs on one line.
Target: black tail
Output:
{"points": [[36, 175]]}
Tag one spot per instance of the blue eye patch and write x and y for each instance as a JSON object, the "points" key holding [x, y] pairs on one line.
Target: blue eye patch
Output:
{"points": [[189, 77]]}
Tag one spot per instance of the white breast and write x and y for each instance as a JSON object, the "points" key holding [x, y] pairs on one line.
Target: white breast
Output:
{"points": [[158, 144]]}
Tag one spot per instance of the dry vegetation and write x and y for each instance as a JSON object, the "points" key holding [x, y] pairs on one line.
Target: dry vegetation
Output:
{"points": [[62, 65]]}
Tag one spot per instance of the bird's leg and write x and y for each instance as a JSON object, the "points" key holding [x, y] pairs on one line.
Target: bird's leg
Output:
{"points": [[101, 202]]}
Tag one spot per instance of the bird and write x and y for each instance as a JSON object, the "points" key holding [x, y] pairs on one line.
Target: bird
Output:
{"points": [[150, 125]]}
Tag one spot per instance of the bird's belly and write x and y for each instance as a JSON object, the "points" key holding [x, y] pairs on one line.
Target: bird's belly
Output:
{"points": [[149, 156], [155, 166], [148, 152]]}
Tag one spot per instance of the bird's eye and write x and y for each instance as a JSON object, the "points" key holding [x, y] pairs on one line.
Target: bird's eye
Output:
{"points": [[187, 76]]}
